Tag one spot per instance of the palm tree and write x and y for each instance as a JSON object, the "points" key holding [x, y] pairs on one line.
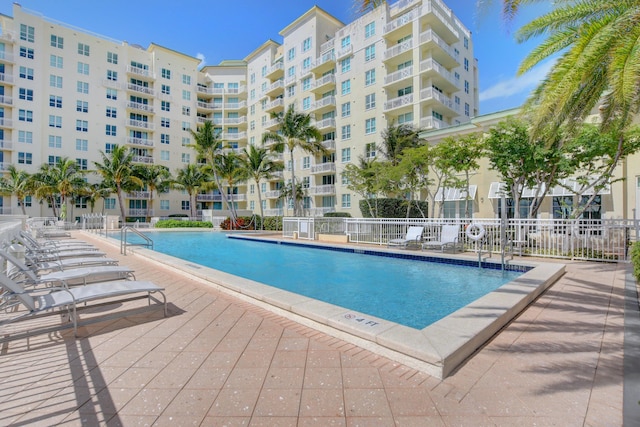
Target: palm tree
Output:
{"points": [[44, 186], [155, 178], [364, 6], [598, 62], [97, 191], [191, 178], [16, 183], [228, 166], [116, 170], [209, 147], [295, 131], [63, 180], [396, 138], [258, 165]]}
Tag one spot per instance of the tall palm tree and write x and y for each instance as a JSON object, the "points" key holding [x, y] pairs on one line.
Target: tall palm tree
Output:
{"points": [[16, 183], [191, 178], [62, 180], [295, 131], [44, 186], [97, 191], [228, 166], [396, 138], [209, 146], [155, 178], [117, 171], [599, 61], [258, 165], [364, 6]]}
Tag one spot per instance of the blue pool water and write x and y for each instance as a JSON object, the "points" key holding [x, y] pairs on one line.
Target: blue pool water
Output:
{"points": [[409, 292]]}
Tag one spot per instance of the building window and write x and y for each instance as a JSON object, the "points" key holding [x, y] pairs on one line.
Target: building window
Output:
{"points": [[291, 91], [109, 147], [186, 111], [466, 109], [369, 30], [83, 68], [306, 44], [166, 89], [370, 150], [346, 132], [110, 203], [165, 106], [112, 75], [346, 87], [25, 115], [54, 160], [55, 141], [186, 157], [82, 126], [466, 87], [345, 42], [112, 94], [82, 87], [82, 106], [186, 79], [291, 54], [26, 52], [82, 145], [291, 71], [112, 58], [25, 136], [370, 126], [405, 118], [110, 130], [57, 41], [27, 95], [306, 103], [264, 70], [186, 95], [164, 155], [345, 109], [55, 121], [370, 77], [82, 164], [306, 162], [466, 43], [83, 49], [345, 65], [26, 73], [466, 64], [55, 81], [166, 74], [55, 101], [306, 83], [165, 122], [346, 155], [112, 112], [370, 101], [369, 53], [346, 200], [186, 126], [186, 141], [25, 158], [164, 205], [164, 138], [27, 33], [55, 61], [306, 63], [185, 205]]}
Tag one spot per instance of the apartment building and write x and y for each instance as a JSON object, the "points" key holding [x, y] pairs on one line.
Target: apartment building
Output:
{"points": [[65, 92]]}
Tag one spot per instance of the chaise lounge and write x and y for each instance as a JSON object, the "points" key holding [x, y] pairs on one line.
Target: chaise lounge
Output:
{"points": [[449, 238], [414, 235]]}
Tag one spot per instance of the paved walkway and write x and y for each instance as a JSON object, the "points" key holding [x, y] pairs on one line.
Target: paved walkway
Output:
{"points": [[219, 361]]}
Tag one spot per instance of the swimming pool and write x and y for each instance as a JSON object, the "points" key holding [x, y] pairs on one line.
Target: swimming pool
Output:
{"points": [[409, 292]]}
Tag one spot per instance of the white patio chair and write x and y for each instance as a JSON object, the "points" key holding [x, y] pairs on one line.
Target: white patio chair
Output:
{"points": [[414, 235]]}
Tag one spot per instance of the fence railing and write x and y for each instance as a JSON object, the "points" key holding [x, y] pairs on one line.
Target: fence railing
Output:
{"points": [[602, 240]]}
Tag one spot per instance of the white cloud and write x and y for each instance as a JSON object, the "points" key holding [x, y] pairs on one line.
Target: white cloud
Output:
{"points": [[517, 85], [201, 57]]}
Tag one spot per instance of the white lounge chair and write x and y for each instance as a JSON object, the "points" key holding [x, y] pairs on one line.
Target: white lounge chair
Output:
{"points": [[62, 300], [449, 238], [414, 235], [77, 276], [66, 264], [35, 246]]}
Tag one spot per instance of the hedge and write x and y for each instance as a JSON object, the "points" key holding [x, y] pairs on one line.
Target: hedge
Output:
{"points": [[176, 223], [635, 259], [394, 208], [337, 215]]}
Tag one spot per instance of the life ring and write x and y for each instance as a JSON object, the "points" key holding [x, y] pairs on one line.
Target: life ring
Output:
{"points": [[475, 231]]}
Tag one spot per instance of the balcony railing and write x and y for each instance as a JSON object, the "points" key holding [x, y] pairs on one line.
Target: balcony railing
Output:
{"points": [[431, 36], [274, 194], [432, 123], [206, 105], [402, 20], [325, 58], [6, 100], [6, 122], [6, 78], [142, 89], [234, 136], [139, 194], [322, 190], [276, 103], [323, 168], [328, 79], [6, 56], [144, 72], [139, 106], [326, 123], [139, 212], [347, 50], [396, 50], [218, 197], [431, 64], [143, 159], [398, 75], [398, 102], [205, 90], [274, 212], [140, 141], [6, 145], [141, 124], [235, 105], [324, 102], [329, 144], [328, 45]]}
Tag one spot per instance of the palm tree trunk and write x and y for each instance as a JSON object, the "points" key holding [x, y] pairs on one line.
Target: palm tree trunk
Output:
{"points": [[293, 185], [122, 212], [260, 203], [149, 202], [24, 211]]}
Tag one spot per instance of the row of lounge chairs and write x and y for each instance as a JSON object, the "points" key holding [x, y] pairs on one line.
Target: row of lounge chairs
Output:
{"points": [[448, 238], [63, 277]]}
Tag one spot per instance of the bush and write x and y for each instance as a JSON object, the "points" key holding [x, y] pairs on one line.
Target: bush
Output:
{"points": [[635, 259], [273, 223], [337, 215], [394, 208], [178, 216], [177, 223], [242, 223]]}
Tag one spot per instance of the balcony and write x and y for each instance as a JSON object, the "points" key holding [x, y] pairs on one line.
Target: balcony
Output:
{"points": [[140, 107], [437, 15], [323, 168], [276, 71], [8, 36], [202, 120], [274, 212], [6, 100], [324, 104], [400, 6], [398, 77], [289, 80], [139, 212], [274, 194], [6, 145], [322, 190], [275, 106], [143, 159], [140, 72], [140, 124], [6, 78], [204, 90], [275, 88], [4, 166], [234, 121], [439, 74], [432, 123], [140, 89], [6, 57], [139, 195], [277, 176], [234, 136], [218, 197], [205, 105], [235, 105], [5, 123], [329, 144], [143, 142], [8, 210], [324, 84], [399, 102], [327, 46], [326, 124], [345, 51], [397, 50], [440, 50], [324, 63], [393, 28], [430, 95], [271, 124]]}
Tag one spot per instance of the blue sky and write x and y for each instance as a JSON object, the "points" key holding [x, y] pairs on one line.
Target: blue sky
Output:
{"points": [[215, 30]]}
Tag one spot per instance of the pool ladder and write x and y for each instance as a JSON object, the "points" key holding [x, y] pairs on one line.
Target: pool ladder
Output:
{"points": [[148, 243]]}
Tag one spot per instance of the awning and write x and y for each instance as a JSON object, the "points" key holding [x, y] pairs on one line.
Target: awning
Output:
{"points": [[455, 194], [497, 189], [569, 187]]}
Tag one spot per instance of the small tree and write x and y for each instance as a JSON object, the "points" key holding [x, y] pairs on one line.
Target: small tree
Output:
{"points": [[258, 165], [191, 178], [362, 180], [117, 171], [16, 183]]}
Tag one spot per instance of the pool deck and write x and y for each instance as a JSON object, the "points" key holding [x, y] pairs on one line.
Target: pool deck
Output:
{"points": [[220, 360]]}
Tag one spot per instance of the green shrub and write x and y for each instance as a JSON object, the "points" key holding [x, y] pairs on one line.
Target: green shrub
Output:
{"points": [[178, 216], [242, 223], [176, 223], [273, 223], [337, 215], [394, 208], [635, 259]]}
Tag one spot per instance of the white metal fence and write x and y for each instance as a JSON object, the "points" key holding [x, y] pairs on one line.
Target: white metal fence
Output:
{"points": [[607, 239]]}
